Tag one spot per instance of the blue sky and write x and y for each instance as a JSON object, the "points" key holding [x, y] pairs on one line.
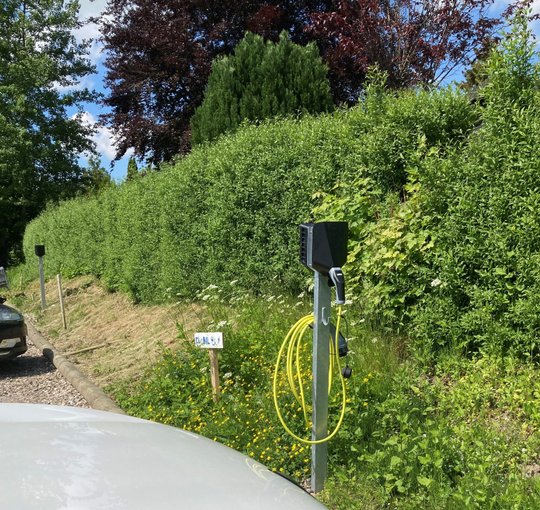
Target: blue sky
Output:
{"points": [[104, 138]]}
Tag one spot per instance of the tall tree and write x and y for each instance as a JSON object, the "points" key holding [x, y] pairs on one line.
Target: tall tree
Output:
{"points": [[159, 54], [159, 57], [40, 63], [95, 178], [261, 80], [413, 41]]}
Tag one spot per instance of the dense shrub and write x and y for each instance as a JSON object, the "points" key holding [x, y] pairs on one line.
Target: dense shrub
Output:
{"points": [[72, 234], [390, 230], [452, 251], [230, 210], [485, 203]]}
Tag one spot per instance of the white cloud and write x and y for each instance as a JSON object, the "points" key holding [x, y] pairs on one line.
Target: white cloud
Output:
{"points": [[105, 140], [87, 82], [91, 8], [91, 31], [103, 137]]}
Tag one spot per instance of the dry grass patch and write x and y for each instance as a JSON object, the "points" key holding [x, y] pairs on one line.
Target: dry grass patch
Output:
{"points": [[108, 337]]}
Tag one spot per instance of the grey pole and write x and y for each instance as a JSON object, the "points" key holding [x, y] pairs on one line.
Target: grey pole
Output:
{"points": [[42, 284], [321, 357]]}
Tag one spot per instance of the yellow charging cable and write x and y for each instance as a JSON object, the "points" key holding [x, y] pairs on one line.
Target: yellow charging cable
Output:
{"points": [[292, 344]]}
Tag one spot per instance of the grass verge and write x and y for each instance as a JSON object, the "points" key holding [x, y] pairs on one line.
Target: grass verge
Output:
{"points": [[462, 434]]}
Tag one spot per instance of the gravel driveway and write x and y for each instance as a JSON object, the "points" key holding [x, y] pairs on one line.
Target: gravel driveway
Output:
{"points": [[31, 378]]}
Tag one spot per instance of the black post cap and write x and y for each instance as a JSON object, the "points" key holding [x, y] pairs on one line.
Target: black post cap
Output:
{"points": [[39, 249]]}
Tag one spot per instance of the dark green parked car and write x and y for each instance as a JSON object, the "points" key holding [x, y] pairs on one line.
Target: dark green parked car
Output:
{"points": [[12, 332]]}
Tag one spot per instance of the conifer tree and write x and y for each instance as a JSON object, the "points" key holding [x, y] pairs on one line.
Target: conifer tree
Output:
{"points": [[261, 80], [95, 178], [132, 170]]}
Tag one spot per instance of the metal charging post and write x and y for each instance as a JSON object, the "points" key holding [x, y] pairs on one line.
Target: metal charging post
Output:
{"points": [[42, 284], [323, 249], [39, 250], [321, 360]]}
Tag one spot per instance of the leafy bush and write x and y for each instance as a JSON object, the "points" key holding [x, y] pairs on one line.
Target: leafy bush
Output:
{"points": [[445, 229], [460, 438], [441, 196], [485, 204], [390, 229], [72, 234], [231, 210], [464, 436]]}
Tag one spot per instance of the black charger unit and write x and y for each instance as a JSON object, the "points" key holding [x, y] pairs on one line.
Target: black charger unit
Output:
{"points": [[323, 248], [323, 245]]}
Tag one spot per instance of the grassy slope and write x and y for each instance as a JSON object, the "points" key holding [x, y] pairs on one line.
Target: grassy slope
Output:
{"points": [[135, 334]]}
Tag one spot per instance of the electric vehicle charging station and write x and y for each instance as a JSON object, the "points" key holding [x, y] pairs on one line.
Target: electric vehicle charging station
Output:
{"points": [[323, 249], [39, 250]]}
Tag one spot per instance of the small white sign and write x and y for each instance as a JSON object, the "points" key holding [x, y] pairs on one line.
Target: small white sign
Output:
{"points": [[209, 340]]}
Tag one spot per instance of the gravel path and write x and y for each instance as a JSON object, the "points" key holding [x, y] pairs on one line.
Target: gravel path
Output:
{"points": [[31, 378]]}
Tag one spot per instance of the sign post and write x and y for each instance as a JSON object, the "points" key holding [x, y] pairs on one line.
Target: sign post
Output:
{"points": [[212, 342], [214, 374], [61, 298]]}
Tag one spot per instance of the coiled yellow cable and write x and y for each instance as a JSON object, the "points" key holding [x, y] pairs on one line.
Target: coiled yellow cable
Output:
{"points": [[292, 344]]}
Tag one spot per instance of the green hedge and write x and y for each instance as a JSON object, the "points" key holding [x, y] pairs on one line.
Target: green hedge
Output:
{"points": [[485, 205], [230, 210]]}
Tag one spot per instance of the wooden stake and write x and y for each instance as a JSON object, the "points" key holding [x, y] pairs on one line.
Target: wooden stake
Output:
{"points": [[61, 298], [214, 373]]}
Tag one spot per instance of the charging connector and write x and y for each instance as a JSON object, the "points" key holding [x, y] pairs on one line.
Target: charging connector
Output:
{"points": [[338, 279], [342, 346]]}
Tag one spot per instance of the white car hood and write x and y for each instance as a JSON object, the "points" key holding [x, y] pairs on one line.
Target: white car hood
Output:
{"points": [[67, 458]]}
